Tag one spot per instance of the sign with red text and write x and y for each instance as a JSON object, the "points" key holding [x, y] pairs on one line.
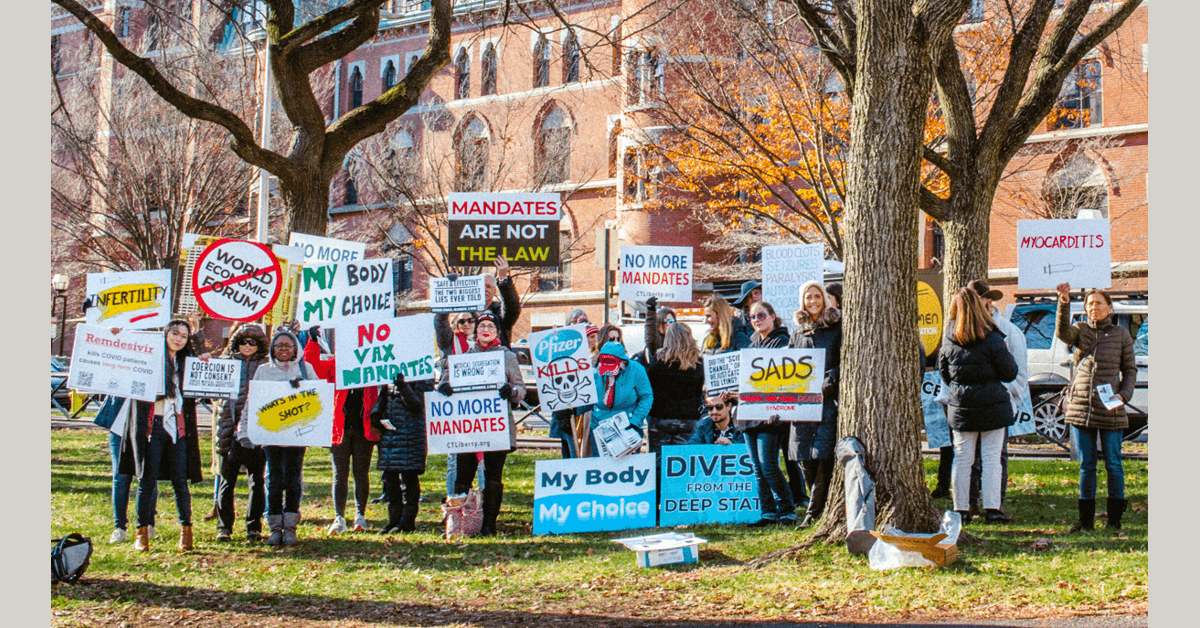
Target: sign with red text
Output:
{"points": [[1051, 252], [786, 382], [125, 364], [467, 421], [374, 353], [133, 300], [664, 272], [347, 292], [563, 365], [521, 228], [236, 280]]}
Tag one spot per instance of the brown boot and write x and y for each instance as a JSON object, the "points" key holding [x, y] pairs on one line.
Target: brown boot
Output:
{"points": [[185, 539], [141, 540]]}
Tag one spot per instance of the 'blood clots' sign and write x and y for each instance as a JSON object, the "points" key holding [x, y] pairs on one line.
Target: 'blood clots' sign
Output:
{"points": [[236, 280]]}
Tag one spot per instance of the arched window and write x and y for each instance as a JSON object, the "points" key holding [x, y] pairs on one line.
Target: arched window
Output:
{"points": [[402, 158], [554, 147], [351, 191], [570, 59], [389, 76], [489, 71], [152, 32], [356, 88], [462, 75], [541, 62], [472, 157], [1077, 185]]}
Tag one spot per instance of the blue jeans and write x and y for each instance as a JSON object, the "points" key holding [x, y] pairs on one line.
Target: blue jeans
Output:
{"points": [[161, 451], [774, 495], [285, 474], [1110, 444], [121, 482]]}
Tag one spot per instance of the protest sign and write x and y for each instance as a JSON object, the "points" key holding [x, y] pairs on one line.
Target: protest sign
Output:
{"points": [[370, 354], [786, 382], [127, 364], [563, 364], [291, 261], [214, 378], [1050, 252], [721, 371], [656, 271], [784, 269], [291, 417], [476, 371], [236, 280], [707, 484], [133, 300], [465, 294], [467, 421], [318, 250], [345, 293], [593, 494], [521, 228], [929, 318], [937, 431]]}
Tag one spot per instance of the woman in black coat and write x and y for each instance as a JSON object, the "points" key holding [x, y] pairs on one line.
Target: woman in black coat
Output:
{"points": [[677, 378], [400, 416], [975, 362], [248, 345]]}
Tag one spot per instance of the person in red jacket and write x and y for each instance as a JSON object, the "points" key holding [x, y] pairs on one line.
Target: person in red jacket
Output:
{"points": [[353, 441]]}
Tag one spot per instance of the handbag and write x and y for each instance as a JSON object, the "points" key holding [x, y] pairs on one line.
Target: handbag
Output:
{"points": [[69, 557], [464, 514], [1065, 394]]}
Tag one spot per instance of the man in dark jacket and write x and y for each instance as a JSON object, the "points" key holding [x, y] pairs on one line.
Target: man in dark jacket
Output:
{"points": [[506, 308], [751, 294], [717, 427]]}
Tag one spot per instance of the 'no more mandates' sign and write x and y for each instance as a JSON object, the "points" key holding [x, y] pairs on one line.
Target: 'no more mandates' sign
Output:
{"points": [[236, 280], [134, 300], [318, 250], [786, 382], [522, 228], [1050, 252], [466, 422], [664, 272]]}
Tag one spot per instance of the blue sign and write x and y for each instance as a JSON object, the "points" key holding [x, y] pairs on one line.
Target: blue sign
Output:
{"points": [[560, 344], [937, 431], [707, 484], [594, 494]]}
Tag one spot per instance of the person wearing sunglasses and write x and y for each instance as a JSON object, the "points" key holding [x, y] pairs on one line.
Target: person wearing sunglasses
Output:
{"points": [[765, 439], [716, 426], [248, 345]]}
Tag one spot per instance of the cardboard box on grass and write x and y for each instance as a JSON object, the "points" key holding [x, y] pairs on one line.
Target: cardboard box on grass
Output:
{"points": [[671, 548], [929, 545]]}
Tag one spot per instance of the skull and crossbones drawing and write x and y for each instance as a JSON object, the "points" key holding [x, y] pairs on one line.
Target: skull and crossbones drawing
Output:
{"points": [[566, 387]]}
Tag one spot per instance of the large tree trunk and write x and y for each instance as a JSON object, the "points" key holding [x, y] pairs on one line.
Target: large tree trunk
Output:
{"points": [[967, 230], [880, 402], [307, 205]]}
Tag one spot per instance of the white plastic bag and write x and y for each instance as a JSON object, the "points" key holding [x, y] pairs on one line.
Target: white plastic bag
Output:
{"points": [[884, 556], [951, 525]]}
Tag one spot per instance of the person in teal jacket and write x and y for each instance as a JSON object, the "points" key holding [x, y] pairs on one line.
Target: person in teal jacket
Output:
{"points": [[622, 386]]}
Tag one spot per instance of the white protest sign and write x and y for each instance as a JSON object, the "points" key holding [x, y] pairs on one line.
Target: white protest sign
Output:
{"points": [[236, 280], [656, 271], [721, 371], [1050, 252], [786, 382], [127, 364], [318, 250], [476, 371], [214, 378], [350, 292], [134, 300], [370, 354], [785, 268], [465, 422], [291, 417], [465, 294], [563, 364]]}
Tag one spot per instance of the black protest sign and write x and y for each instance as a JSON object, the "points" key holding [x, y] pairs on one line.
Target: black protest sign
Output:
{"points": [[521, 228]]}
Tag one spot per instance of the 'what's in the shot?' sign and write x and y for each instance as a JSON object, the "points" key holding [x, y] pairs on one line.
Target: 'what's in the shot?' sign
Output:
{"points": [[521, 228]]}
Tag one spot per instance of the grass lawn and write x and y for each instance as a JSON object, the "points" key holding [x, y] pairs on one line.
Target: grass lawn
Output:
{"points": [[1028, 568]]}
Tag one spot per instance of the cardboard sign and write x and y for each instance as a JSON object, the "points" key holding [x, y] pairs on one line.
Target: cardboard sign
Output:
{"points": [[466, 294], [318, 250], [522, 228], [469, 421], [236, 280], [1050, 252], [593, 494], [214, 378], [128, 364], [937, 431], [290, 417], [721, 371], [133, 300], [291, 261], [476, 371], [351, 292], [656, 271], [785, 268], [563, 364], [707, 484], [370, 354], [786, 382]]}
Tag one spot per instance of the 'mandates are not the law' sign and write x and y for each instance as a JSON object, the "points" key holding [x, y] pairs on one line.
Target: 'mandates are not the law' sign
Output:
{"points": [[521, 228]]}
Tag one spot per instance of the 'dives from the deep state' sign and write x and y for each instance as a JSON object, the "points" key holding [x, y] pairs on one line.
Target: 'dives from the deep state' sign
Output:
{"points": [[707, 484], [521, 228]]}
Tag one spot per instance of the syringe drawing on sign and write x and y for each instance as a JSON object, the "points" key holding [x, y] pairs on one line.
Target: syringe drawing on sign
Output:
{"points": [[1052, 269]]}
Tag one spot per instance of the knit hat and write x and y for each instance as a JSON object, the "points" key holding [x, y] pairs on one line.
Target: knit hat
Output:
{"points": [[486, 316], [592, 330]]}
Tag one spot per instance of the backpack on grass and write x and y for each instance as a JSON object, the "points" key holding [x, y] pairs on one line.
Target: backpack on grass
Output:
{"points": [[69, 557]]}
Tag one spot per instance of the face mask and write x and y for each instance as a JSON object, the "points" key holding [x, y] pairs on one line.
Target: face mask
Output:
{"points": [[608, 364]]}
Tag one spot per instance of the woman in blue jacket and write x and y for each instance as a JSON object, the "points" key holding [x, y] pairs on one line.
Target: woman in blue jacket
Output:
{"points": [[623, 386]]}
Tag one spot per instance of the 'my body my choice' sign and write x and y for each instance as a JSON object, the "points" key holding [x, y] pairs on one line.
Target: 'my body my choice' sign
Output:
{"points": [[593, 494], [521, 228]]}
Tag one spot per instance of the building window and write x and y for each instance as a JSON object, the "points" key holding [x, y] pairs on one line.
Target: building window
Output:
{"points": [[541, 62], [402, 273], [616, 51], [551, 278], [411, 61], [937, 248], [402, 157], [152, 33], [1081, 99], [554, 147], [638, 176], [123, 22], [489, 71], [351, 191], [356, 88], [644, 76], [389, 76], [462, 75], [1077, 185], [570, 59], [472, 143]]}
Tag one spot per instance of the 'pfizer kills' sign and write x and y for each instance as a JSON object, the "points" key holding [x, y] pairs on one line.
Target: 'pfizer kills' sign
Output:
{"points": [[563, 365], [664, 272], [593, 494]]}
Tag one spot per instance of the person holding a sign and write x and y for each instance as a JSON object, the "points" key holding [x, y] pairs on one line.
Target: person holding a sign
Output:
{"points": [[975, 363], [249, 345], [399, 415], [819, 326], [506, 309], [677, 379], [657, 321], [723, 335], [624, 387], [487, 328], [1103, 363]]}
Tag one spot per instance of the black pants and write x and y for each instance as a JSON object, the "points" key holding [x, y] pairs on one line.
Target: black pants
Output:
{"points": [[404, 493], [255, 462], [669, 432], [797, 480], [493, 469], [353, 455]]}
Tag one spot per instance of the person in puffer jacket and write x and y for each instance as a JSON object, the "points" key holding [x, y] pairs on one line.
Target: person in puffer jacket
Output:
{"points": [[623, 386], [248, 345], [399, 415]]}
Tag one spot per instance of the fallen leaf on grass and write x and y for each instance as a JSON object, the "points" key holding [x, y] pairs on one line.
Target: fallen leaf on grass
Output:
{"points": [[1140, 506], [1041, 545]]}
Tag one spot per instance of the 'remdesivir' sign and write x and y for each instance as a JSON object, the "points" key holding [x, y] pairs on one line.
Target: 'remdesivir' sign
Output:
{"points": [[133, 300], [786, 382], [522, 228], [562, 362], [594, 494], [1051, 252], [664, 272], [707, 484], [125, 364]]}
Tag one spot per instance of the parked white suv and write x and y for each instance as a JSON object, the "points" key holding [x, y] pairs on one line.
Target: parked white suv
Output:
{"points": [[1050, 359]]}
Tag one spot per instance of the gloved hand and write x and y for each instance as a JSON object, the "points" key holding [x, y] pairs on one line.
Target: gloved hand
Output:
{"points": [[453, 277], [506, 391], [446, 389], [652, 302], [314, 332], [399, 381], [295, 382]]}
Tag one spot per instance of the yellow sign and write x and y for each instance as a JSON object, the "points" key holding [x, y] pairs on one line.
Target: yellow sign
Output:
{"points": [[295, 410], [929, 317], [129, 298]]}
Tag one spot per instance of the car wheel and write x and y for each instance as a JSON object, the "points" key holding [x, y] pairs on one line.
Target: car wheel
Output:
{"points": [[1049, 422]]}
